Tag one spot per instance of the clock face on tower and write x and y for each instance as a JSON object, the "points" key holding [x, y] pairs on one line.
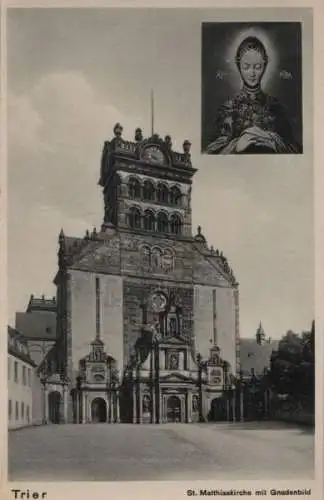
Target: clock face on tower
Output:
{"points": [[153, 154]]}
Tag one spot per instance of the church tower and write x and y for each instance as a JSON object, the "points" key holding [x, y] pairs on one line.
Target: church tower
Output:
{"points": [[147, 186], [149, 267]]}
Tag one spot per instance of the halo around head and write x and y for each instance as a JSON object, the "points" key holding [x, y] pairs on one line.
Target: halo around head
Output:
{"points": [[264, 40], [251, 43]]}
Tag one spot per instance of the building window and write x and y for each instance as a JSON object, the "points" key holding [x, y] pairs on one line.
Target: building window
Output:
{"points": [[175, 196], [27, 413], [10, 409], [24, 375], [16, 371], [9, 368], [29, 377], [134, 218], [162, 223], [149, 221], [22, 406], [134, 189], [175, 224], [162, 193], [17, 411], [148, 191]]}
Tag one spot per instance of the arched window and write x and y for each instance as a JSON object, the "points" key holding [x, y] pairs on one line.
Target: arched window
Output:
{"points": [[134, 189], [134, 218], [162, 193], [162, 223], [175, 224], [148, 191], [175, 196], [149, 220]]}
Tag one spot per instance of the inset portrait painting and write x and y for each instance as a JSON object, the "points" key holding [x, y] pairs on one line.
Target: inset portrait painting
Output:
{"points": [[252, 88]]}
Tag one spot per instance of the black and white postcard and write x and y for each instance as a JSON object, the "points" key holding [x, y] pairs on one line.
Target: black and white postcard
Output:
{"points": [[160, 328]]}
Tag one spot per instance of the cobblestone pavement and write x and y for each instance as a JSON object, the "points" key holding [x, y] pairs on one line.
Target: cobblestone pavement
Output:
{"points": [[127, 452]]}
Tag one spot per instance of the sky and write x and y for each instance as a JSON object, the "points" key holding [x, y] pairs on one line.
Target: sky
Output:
{"points": [[74, 73]]}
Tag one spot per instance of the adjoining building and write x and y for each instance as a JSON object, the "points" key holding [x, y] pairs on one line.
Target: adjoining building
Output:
{"points": [[147, 311], [38, 325], [20, 381], [255, 353]]}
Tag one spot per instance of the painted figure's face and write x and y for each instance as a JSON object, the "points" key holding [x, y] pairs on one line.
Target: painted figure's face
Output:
{"points": [[252, 67]]}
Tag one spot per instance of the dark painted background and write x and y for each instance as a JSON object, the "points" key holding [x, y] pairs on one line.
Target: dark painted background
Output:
{"points": [[286, 40]]}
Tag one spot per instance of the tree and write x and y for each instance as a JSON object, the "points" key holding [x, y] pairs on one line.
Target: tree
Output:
{"points": [[292, 366]]}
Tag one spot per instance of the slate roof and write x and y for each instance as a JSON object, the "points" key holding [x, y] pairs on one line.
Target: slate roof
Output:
{"points": [[18, 347], [256, 356], [37, 325]]}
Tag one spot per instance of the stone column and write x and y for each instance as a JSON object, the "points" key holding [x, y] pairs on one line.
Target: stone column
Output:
{"points": [[140, 401], [242, 404], [84, 417], [161, 408], [134, 404], [117, 408], [86, 403], [189, 406], [153, 403], [45, 406], [65, 403]]}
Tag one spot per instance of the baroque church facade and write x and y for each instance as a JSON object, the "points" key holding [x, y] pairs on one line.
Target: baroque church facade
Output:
{"points": [[147, 312]]}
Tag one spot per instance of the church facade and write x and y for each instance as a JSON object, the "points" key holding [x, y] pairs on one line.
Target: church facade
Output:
{"points": [[147, 312]]}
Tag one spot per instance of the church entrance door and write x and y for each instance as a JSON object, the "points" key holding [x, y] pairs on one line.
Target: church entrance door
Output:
{"points": [[54, 405], [174, 409], [98, 410]]}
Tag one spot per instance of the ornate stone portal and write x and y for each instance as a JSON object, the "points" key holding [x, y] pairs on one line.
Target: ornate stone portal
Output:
{"points": [[96, 395], [164, 382]]}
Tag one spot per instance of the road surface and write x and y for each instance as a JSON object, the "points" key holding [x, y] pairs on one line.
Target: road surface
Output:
{"points": [[125, 452]]}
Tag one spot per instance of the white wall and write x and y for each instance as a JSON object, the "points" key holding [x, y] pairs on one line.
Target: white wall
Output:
{"points": [[19, 393], [225, 321], [83, 314]]}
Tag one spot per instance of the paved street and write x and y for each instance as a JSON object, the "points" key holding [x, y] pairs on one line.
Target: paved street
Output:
{"points": [[160, 452]]}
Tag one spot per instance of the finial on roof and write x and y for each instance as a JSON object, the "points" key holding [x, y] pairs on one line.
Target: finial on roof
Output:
{"points": [[118, 130], [61, 235], [87, 234], [186, 146], [168, 141], [138, 135], [94, 232], [199, 236]]}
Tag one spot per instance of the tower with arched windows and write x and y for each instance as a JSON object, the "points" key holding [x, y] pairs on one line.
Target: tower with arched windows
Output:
{"points": [[145, 271]]}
